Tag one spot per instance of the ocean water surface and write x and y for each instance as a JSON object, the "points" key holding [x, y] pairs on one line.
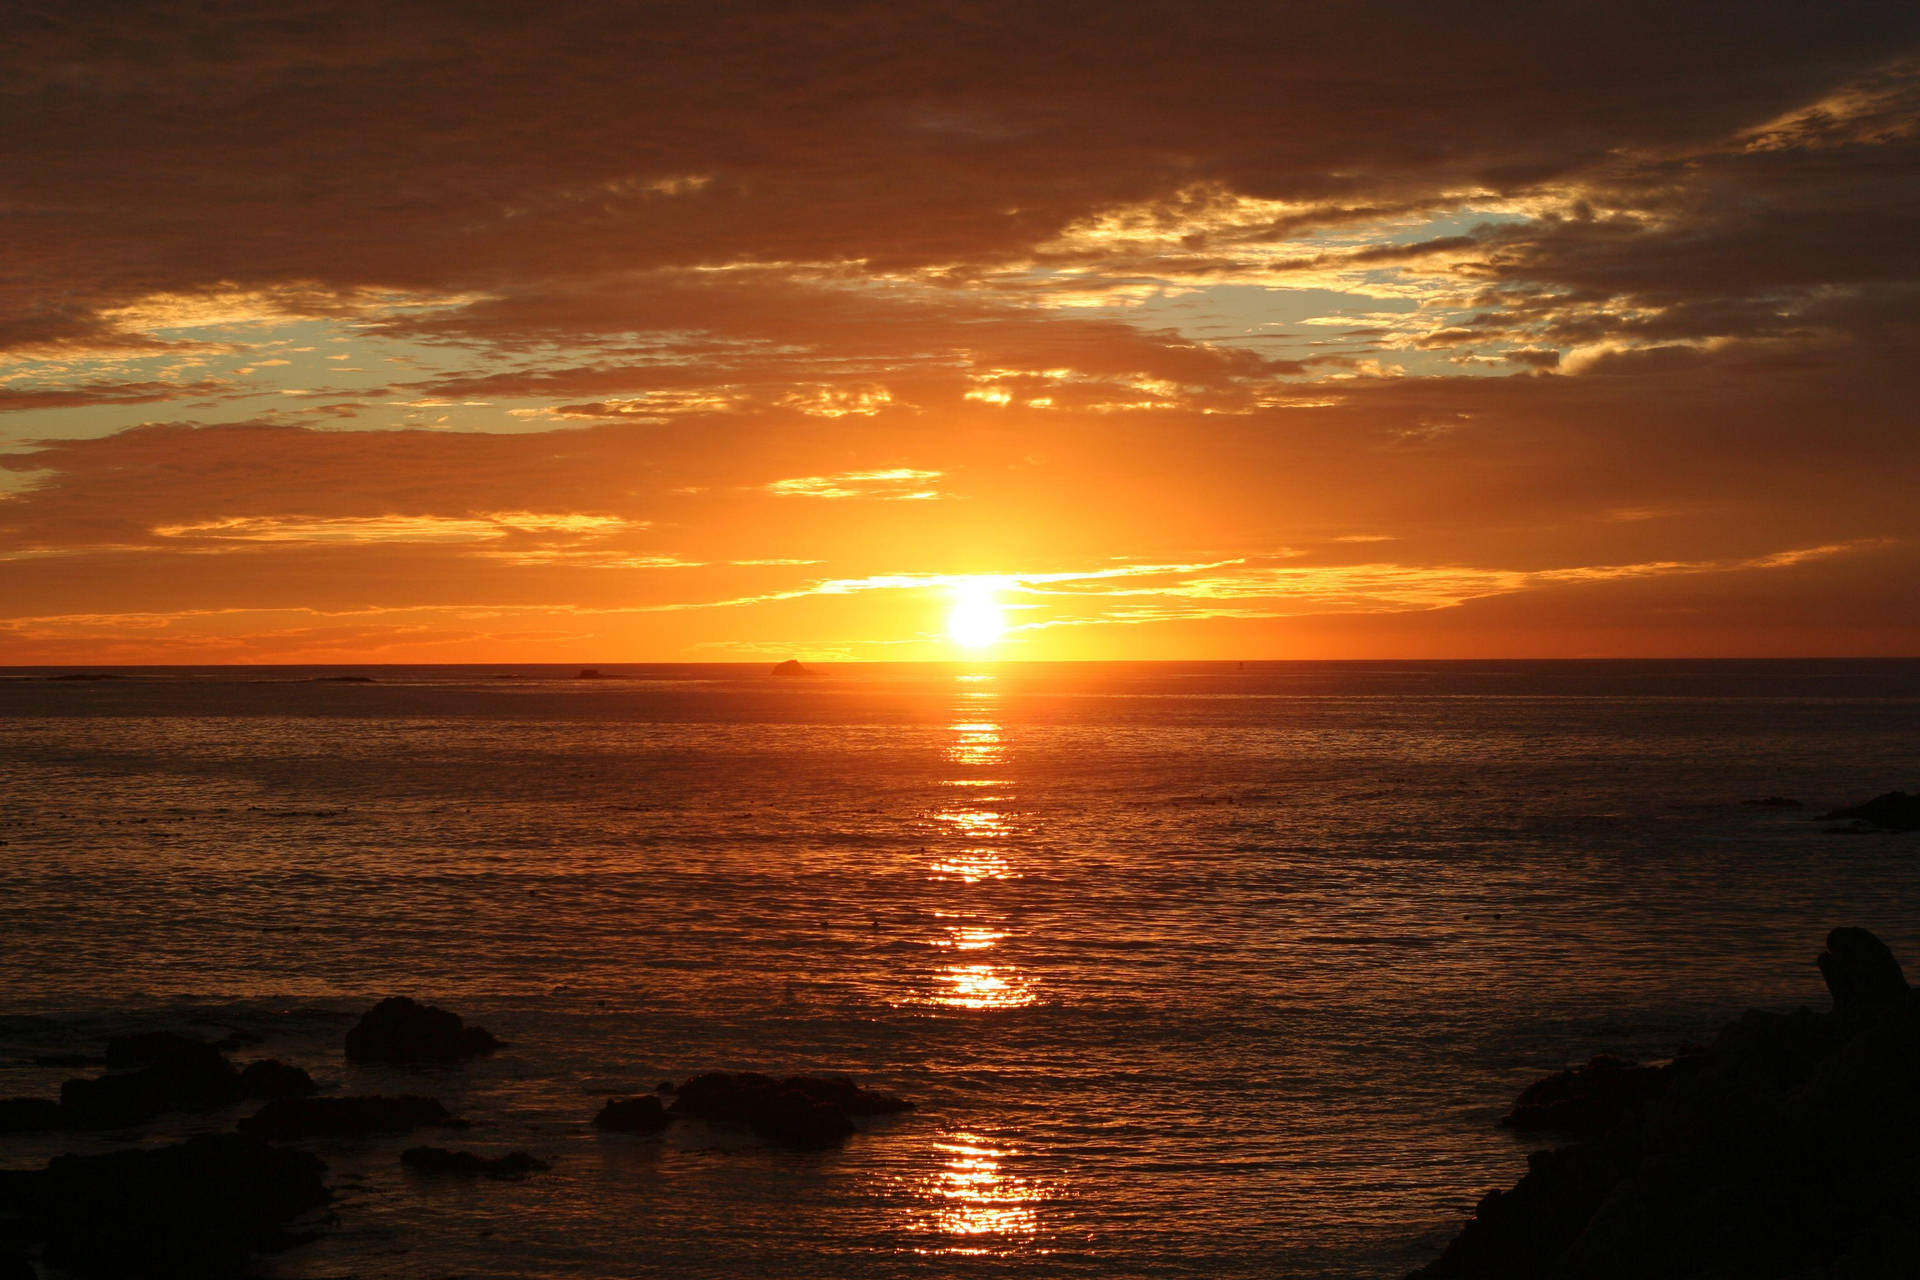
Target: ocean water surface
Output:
{"points": [[1194, 969]]}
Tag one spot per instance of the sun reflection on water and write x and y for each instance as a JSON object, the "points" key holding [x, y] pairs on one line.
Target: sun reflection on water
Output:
{"points": [[976, 742], [984, 986], [979, 824], [974, 865], [983, 1208]]}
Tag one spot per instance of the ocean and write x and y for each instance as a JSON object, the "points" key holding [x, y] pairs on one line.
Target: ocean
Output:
{"points": [[1204, 969]]}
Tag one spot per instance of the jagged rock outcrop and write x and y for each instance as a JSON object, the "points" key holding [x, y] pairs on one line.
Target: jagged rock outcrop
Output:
{"points": [[402, 1030], [1585, 1101], [643, 1114], [294, 1118], [804, 1112], [31, 1115], [170, 1071], [195, 1209], [1894, 811], [1787, 1154], [1861, 974], [270, 1078]]}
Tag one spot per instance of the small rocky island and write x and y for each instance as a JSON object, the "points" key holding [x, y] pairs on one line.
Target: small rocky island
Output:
{"points": [[790, 669], [1783, 1151]]}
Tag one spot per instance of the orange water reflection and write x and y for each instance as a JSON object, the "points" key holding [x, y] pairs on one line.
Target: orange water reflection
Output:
{"points": [[976, 844], [977, 983], [975, 742], [984, 986], [974, 865], [976, 1202]]}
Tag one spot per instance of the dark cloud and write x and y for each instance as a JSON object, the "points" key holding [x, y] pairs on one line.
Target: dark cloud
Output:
{"points": [[19, 400], [173, 145]]}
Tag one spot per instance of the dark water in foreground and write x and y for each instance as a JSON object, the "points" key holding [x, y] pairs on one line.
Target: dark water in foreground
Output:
{"points": [[1194, 970]]}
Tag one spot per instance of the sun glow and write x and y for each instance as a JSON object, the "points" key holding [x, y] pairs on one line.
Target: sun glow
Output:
{"points": [[976, 620]]}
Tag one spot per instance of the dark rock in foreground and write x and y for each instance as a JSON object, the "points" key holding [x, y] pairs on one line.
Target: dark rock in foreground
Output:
{"points": [[173, 1071], [191, 1210], [1894, 811], [160, 1049], [1787, 1153], [806, 1112], [402, 1030], [633, 1115], [30, 1115], [294, 1118], [466, 1164], [1861, 973], [1586, 1101], [271, 1078]]}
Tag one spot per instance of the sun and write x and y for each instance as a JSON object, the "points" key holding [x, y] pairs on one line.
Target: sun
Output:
{"points": [[976, 620]]}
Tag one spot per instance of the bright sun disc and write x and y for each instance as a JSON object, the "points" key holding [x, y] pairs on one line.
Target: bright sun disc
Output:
{"points": [[977, 620]]}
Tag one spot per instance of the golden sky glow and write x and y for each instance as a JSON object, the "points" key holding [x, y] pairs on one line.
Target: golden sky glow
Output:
{"points": [[746, 333]]}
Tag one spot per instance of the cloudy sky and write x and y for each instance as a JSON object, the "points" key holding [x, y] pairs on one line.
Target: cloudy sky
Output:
{"points": [[399, 332]]}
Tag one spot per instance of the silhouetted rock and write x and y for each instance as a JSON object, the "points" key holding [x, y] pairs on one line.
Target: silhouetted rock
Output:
{"points": [[789, 669], [175, 1071], [466, 1164], [725, 1096], [790, 1118], [633, 1115], [838, 1091], [294, 1118], [1786, 1153], [590, 673], [191, 1210], [30, 1115], [343, 680], [809, 1112], [402, 1030], [271, 1078], [87, 675], [1894, 811], [1586, 1101], [1861, 974], [1773, 802]]}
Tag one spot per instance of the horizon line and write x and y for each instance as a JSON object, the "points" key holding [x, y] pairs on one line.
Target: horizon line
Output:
{"points": [[597, 664]]}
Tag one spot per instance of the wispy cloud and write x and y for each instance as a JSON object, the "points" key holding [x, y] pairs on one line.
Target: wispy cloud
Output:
{"points": [[897, 484], [484, 527]]}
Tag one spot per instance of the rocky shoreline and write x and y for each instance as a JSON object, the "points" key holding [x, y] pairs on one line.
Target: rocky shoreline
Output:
{"points": [[201, 1208], [1788, 1149]]}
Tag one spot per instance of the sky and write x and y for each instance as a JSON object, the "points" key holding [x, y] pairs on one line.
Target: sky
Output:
{"points": [[605, 332]]}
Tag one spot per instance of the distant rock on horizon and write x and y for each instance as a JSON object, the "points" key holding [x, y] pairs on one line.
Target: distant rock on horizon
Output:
{"points": [[791, 668]]}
